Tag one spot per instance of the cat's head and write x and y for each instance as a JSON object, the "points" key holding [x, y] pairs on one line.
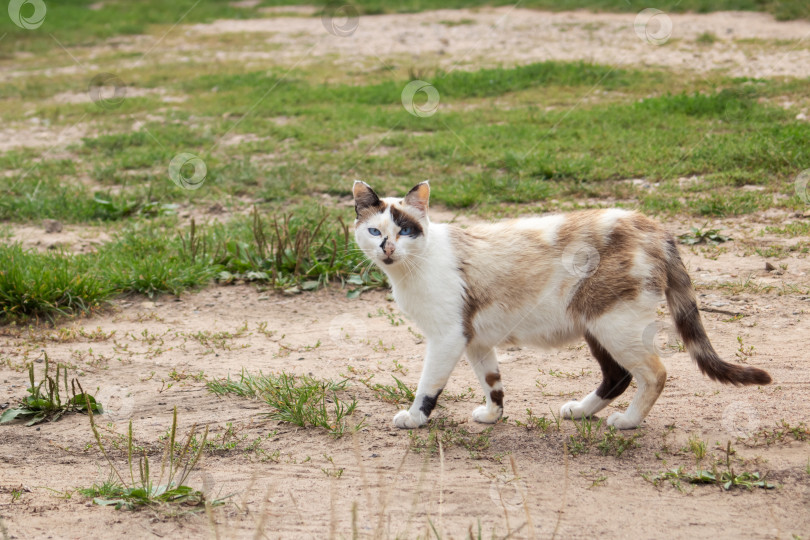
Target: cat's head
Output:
{"points": [[391, 230]]}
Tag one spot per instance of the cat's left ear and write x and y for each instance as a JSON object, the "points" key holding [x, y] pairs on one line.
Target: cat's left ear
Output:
{"points": [[418, 196]]}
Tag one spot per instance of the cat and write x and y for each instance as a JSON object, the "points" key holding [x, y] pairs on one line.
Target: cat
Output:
{"points": [[542, 281]]}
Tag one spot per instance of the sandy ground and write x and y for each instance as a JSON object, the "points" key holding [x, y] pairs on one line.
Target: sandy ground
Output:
{"points": [[506, 35], [147, 367], [746, 44]]}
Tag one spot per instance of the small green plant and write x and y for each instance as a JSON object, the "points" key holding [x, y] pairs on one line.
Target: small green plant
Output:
{"points": [[726, 479], [298, 399], [697, 446], [451, 434], [394, 394], [540, 423], [706, 38], [47, 401], [782, 433], [700, 235], [141, 489], [613, 443]]}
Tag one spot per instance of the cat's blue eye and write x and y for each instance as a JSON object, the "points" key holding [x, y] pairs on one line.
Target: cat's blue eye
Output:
{"points": [[406, 231], [374, 232]]}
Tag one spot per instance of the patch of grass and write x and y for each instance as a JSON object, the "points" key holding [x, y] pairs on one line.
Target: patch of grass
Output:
{"points": [[590, 434], [539, 423], [451, 434], [394, 394], [725, 479], [143, 489], [697, 447], [48, 400], [298, 399], [701, 235], [782, 433], [707, 38], [46, 285]]}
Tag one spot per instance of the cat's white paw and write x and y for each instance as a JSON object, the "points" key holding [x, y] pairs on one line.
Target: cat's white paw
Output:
{"points": [[486, 416], [622, 421], [572, 410], [405, 420]]}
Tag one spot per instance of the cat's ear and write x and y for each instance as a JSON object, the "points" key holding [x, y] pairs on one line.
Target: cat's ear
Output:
{"points": [[419, 196], [364, 197]]}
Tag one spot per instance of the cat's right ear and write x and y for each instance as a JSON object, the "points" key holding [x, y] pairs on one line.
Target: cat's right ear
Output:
{"points": [[365, 199]]}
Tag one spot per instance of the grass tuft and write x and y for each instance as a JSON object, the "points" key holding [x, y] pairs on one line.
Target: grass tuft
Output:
{"points": [[47, 401], [297, 399]]}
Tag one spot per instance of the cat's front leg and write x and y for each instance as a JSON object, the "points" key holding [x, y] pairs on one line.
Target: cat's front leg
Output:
{"points": [[484, 362], [441, 357]]}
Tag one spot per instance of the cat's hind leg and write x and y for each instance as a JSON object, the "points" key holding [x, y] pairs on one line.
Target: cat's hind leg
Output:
{"points": [[615, 380], [623, 340], [485, 364]]}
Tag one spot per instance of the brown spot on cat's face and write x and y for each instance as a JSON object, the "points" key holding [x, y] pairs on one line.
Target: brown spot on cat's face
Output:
{"points": [[406, 222]]}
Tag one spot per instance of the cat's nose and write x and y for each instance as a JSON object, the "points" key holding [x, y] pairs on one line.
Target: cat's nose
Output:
{"points": [[387, 247]]}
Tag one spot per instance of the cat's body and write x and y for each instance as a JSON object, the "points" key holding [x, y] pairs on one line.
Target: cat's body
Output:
{"points": [[547, 282]]}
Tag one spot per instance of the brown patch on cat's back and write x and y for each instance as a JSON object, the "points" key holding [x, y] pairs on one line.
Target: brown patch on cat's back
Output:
{"points": [[612, 281], [502, 264], [578, 226]]}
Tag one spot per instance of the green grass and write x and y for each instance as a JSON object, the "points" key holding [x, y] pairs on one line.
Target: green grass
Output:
{"points": [[48, 400], [300, 400], [300, 250], [141, 488]]}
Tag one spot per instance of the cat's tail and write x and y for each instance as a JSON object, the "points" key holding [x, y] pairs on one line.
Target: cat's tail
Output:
{"points": [[683, 306]]}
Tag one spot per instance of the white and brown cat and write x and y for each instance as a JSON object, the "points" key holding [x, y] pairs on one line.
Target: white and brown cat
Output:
{"points": [[520, 282]]}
